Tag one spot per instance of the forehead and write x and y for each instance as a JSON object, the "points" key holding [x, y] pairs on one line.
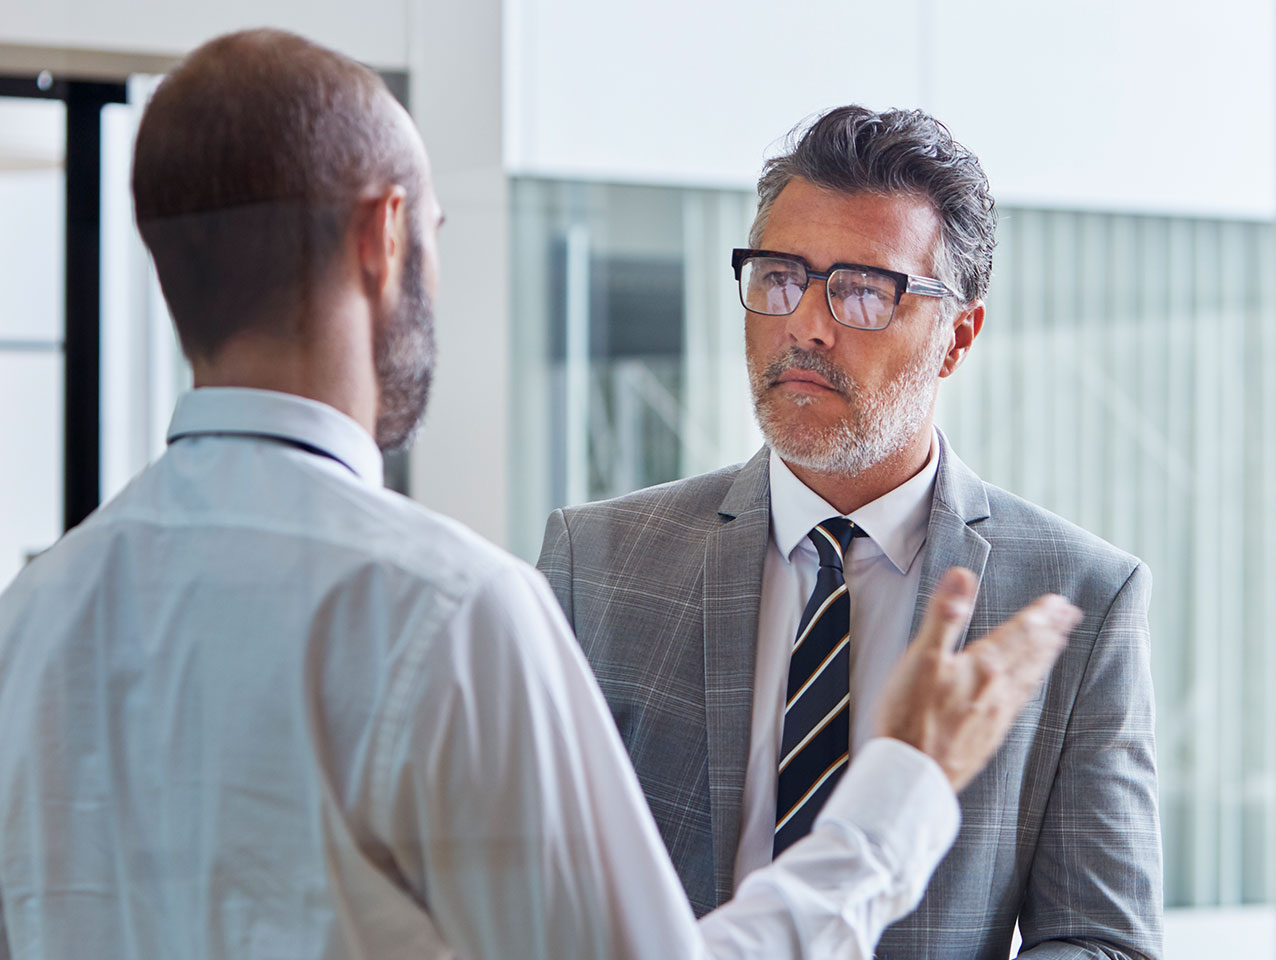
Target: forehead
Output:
{"points": [[900, 231]]}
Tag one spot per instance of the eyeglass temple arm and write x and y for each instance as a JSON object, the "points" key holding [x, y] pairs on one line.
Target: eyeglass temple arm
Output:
{"points": [[927, 287]]}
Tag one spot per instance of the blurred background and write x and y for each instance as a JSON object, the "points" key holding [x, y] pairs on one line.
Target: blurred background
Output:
{"points": [[596, 164]]}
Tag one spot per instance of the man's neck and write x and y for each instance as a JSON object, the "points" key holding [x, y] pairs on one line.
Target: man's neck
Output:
{"points": [[848, 492], [333, 366]]}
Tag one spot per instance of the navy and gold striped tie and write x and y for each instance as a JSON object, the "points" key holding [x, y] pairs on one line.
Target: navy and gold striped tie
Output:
{"points": [[817, 714]]}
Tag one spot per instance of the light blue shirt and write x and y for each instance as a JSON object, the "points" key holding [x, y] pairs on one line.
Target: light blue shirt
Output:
{"points": [[257, 706]]}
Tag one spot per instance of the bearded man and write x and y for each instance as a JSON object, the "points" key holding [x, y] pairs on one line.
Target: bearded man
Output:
{"points": [[742, 623]]}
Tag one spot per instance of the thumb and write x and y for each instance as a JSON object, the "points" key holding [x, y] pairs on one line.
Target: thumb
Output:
{"points": [[948, 610]]}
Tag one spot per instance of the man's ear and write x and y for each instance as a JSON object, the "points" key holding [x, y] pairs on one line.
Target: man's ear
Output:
{"points": [[966, 326], [381, 234]]}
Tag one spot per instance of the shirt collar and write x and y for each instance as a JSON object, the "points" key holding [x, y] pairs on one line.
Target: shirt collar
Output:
{"points": [[281, 416], [896, 521]]}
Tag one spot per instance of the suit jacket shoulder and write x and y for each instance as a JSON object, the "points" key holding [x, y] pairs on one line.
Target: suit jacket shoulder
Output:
{"points": [[663, 510], [634, 547], [1037, 538], [1027, 548]]}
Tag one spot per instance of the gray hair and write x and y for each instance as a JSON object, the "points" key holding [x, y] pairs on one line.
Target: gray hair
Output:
{"points": [[855, 150]]}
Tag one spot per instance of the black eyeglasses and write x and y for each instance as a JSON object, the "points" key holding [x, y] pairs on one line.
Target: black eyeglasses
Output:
{"points": [[772, 283]]}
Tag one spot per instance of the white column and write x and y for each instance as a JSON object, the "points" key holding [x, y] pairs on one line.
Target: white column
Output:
{"points": [[460, 462]]}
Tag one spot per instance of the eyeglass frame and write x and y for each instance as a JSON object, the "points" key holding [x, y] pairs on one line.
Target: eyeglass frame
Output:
{"points": [[904, 283]]}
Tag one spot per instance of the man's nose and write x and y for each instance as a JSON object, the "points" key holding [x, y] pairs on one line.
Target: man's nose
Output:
{"points": [[812, 324]]}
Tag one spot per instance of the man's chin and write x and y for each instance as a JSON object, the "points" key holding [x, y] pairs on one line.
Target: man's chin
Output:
{"points": [[800, 415], [795, 440]]}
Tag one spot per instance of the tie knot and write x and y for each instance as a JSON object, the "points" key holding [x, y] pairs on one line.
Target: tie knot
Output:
{"points": [[831, 538]]}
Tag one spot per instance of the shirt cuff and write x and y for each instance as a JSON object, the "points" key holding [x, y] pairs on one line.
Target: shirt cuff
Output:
{"points": [[902, 801]]}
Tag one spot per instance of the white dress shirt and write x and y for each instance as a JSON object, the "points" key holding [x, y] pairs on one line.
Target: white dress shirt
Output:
{"points": [[882, 578], [258, 706]]}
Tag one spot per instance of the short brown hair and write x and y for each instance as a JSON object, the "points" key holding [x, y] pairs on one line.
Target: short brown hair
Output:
{"points": [[852, 149], [248, 165]]}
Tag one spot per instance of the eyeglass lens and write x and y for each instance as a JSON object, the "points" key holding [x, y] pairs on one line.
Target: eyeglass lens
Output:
{"points": [[773, 286]]}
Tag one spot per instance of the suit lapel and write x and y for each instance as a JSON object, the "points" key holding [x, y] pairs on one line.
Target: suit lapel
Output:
{"points": [[734, 554], [951, 540]]}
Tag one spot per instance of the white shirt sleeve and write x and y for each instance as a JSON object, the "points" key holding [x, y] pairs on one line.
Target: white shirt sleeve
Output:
{"points": [[516, 818]]}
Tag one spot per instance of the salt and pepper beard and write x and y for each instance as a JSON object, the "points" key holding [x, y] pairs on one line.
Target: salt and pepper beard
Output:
{"points": [[878, 426], [404, 352]]}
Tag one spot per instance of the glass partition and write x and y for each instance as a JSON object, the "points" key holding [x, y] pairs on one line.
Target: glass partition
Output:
{"points": [[1121, 380], [629, 354]]}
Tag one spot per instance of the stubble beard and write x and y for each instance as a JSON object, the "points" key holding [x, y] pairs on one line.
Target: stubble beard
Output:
{"points": [[404, 354], [879, 425]]}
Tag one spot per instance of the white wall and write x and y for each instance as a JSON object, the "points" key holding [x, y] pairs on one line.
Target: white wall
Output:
{"points": [[1162, 106], [689, 93], [1135, 105], [373, 31], [460, 463]]}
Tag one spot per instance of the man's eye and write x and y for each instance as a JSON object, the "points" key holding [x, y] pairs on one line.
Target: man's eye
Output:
{"points": [[861, 290], [782, 278]]}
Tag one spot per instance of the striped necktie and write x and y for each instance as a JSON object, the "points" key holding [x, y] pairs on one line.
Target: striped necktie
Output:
{"points": [[816, 744]]}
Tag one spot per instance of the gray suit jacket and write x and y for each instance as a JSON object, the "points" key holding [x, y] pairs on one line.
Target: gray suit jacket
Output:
{"points": [[1060, 831]]}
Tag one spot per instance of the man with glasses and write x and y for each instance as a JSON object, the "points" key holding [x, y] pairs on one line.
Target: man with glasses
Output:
{"points": [[742, 623]]}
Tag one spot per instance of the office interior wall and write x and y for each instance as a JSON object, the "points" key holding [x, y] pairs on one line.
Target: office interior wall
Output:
{"points": [[1148, 106], [1059, 102], [1162, 106], [372, 31]]}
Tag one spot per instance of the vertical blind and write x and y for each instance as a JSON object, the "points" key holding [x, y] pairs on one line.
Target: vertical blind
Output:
{"points": [[1122, 381]]}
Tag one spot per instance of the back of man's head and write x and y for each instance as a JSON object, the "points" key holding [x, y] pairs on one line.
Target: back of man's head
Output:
{"points": [[852, 149], [249, 161]]}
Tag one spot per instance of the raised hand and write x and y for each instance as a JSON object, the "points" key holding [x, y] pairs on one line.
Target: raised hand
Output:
{"points": [[957, 707]]}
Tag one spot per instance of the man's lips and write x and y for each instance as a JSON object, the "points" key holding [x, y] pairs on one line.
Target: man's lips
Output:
{"points": [[803, 381]]}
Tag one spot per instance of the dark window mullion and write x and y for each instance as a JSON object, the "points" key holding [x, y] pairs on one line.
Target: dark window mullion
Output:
{"points": [[82, 432]]}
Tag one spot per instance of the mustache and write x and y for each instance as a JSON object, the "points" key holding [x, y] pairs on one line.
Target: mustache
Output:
{"points": [[795, 358]]}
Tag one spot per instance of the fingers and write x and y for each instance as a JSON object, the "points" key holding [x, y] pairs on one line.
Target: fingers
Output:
{"points": [[948, 610], [1027, 645], [957, 708]]}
